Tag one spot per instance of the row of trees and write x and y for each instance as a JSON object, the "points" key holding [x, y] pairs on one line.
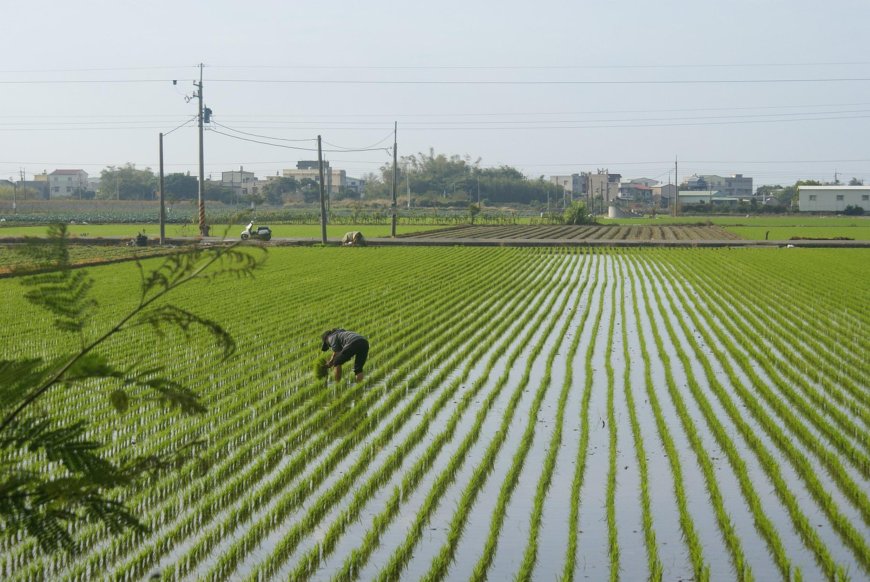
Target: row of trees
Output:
{"points": [[436, 179], [130, 183]]}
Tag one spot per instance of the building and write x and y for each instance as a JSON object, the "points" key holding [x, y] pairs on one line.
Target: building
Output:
{"points": [[635, 191], [736, 185], [66, 183], [357, 185], [336, 180], [833, 198], [242, 183], [712, 198], [601, 185], [644, 182], [571, 184], [664, 194]]}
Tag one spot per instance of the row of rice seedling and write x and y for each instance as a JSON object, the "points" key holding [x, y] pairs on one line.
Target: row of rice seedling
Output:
{"points": [[306, 565], [612, 537], [243, 484], [399, 557], [264, 494], [819, 490], [705, 463], [296, 533], [568, 572], [792, 422], [735, 456], [654, 564], [302, 479], [307, 453], [511, 479], [807, 348], [412, 479], [442, 561], [831, 311], [531, 551], [699, 565]]}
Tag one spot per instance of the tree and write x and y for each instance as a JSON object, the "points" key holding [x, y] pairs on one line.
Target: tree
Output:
{"points": [[127, 183], [310, 190], [218, 192], [856, 182], [454, 180], [85, 485], [180, 186], [473, 210], [577, 214], [276, 188]]}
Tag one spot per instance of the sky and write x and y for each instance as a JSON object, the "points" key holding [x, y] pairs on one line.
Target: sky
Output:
{"points": [[774, 89]]}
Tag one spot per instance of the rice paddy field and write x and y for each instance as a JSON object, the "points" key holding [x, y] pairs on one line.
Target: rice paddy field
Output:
{"points": [[527, 413]]}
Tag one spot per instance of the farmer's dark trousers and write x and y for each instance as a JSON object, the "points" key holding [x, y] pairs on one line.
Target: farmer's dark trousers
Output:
{"points": [[360, 349]]}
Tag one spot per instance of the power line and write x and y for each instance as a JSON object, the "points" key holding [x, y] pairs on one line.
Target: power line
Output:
{"points": [[550, 113], [277, 145], [262, 136], [451, 82], [549, 82], [532, 67], [540, 67], [372, 146], [422, 124], [180, 126]]}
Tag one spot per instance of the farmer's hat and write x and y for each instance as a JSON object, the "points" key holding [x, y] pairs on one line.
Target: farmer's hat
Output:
{"points": [[325, 345]]}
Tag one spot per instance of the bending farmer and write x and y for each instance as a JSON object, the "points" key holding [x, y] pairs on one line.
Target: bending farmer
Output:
{"points": [[345, 345]]}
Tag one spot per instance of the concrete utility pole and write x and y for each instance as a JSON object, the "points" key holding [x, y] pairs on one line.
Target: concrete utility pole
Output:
{"points": [[162, 198], [203, 229], [676, 188], [322, 194], [395, 179]]}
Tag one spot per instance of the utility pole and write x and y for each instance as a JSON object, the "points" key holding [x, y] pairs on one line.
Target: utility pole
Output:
{"points": [[395, 177], [408, 184], [322, 193], [162, 199], [676, 188], [203, 229]]}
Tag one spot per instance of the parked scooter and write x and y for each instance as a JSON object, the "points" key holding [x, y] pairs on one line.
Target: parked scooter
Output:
{"points": [[259, 232]]}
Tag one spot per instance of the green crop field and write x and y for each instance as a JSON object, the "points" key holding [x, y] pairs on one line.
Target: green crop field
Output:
{"points": [[333, 232], [534, 413]]}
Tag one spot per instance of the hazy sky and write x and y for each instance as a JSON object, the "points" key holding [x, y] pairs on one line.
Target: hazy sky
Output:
{"points": [[777, 90]]}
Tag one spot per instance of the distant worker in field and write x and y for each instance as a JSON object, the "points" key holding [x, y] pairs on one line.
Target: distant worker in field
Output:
{"points": [[353, 238], [345, 345]]}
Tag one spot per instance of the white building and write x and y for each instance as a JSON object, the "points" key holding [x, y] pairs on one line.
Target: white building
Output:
{"points": [[241, 182], [736, 185], [336, 180], [571, 184], [833, 198], [65, 183]]}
